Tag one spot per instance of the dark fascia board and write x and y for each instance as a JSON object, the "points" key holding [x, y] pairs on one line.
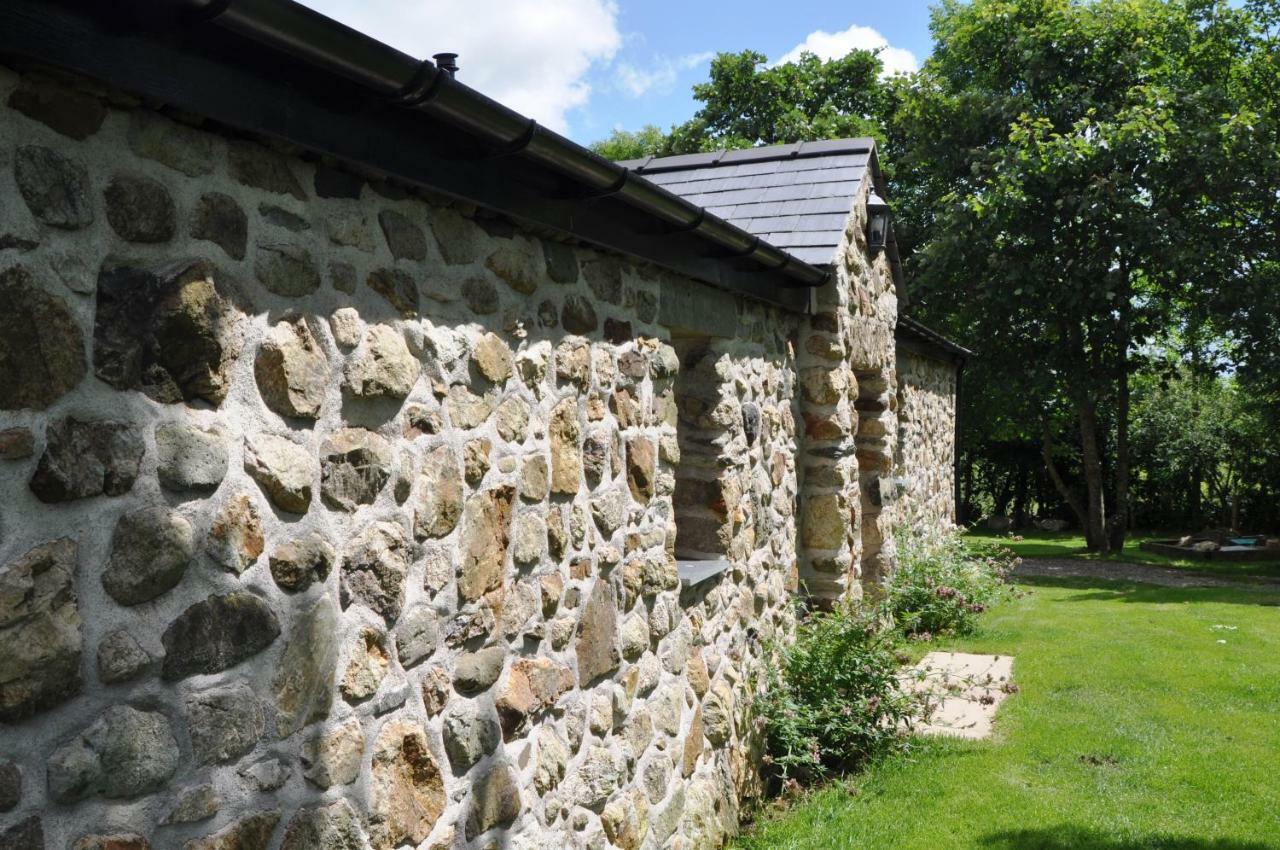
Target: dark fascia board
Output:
{"points": [[914, 336], [306, 84]]}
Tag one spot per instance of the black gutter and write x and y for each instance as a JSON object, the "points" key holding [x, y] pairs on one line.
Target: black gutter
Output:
{"points": [[294, 29]]}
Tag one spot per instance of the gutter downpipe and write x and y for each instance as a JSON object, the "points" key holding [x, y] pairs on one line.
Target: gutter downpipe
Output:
{"points": [[290, 28]]}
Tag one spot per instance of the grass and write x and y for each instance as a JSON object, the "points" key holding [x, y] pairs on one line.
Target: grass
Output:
{"points": [[1048, 544], [1147, 720]]}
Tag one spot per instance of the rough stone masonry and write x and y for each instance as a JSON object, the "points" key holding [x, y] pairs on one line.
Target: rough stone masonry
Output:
{"points": [[337, 515]]}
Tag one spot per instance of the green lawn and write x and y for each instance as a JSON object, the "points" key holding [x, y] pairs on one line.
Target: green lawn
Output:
{"points": [[1148, 717], [1047, 544]]}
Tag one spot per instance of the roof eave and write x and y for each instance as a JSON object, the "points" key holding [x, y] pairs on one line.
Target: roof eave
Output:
{"points": [[239, 61]]}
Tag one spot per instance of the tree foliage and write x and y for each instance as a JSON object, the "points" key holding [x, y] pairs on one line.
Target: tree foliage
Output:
{"points": [[1075, 190], [748, 102]]}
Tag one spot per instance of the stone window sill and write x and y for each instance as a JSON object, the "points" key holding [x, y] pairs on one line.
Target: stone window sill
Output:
{"points": [[696, 572]]}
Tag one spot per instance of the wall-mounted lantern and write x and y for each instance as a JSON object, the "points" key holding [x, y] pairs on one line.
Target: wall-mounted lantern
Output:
{"points": [[878, 222]]}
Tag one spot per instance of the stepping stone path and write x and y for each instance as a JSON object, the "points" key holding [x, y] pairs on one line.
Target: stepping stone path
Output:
{"points": [[963, 691]]}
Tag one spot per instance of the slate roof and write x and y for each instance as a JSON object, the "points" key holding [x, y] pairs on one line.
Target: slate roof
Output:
{"points": [[797, 197]]}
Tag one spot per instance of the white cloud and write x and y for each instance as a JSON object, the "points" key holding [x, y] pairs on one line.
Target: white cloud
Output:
{"points": [[660, 77], [532, 55], [833, 45]]}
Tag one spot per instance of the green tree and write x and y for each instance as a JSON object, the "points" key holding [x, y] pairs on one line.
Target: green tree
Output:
{"points": [[748, 102], [649, 140], [1070, 176]]}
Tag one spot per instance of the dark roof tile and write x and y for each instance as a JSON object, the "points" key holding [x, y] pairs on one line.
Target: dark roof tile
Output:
{"points": [[796, 196]]}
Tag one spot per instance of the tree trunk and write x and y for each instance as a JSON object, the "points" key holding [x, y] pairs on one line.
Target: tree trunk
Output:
{"points": [[1095, 509], [1046, 451], [1119, 525]]}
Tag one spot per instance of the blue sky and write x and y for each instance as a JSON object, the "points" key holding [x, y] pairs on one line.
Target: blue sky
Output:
{"points": [[584, 67]]}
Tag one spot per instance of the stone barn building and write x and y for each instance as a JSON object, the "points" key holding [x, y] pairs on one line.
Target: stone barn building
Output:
{"points": [[379, 469]]}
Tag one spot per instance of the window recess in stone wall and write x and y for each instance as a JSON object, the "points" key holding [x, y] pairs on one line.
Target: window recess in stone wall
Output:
{"points": [[702, 517]]}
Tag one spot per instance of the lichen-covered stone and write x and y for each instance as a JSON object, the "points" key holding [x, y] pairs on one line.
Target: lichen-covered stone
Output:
{"points": [[535, 481], [439, 502], [292, 370], [597, 647], [197, 803], [217, 218], [236, 537], [121, 658], [16, 443], [150, 552], [366, 667], [532, 685], [470, 732], [595, 778], [140, 209], [10, 785], [355, 465], [385, 368], [287, 270], [40, 638], [256, 166], [164, 330], [551, 759], [284, 470], [495, 801], [124, 753], [475, 672], [486, 532], [84, 459], [417, 636], [374, 569], [604, 278], [513, 262], [466, 409], [41, 344], [492, 358], [171, 144], [332, 756], [717, 714], [217, 634], [561, 261], [398, 288], [304, 683], [342, 276], [578, 316], [73, 113], [224, 724], [297, 563], [55, 188], [512, 419], [566, 450], [528, 539], [252, 832], [190, 459], [641, 468], [331, 827], [406, 787], [405, 240], [113, 841]]}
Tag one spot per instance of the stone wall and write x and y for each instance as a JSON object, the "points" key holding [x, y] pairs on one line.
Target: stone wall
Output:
{"points": [[846, 379], [337, 515], [926, 442]]}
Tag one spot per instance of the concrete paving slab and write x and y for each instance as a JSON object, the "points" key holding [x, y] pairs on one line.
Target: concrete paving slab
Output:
{"points": [[963, 690]]}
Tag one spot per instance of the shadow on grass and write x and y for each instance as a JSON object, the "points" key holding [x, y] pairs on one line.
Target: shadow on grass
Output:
{"points": [[1121, 590], [1068, 837]]}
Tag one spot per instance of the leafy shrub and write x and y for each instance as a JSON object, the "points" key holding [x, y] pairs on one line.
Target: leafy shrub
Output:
{"points": [[834, 699], [941, 584]]}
